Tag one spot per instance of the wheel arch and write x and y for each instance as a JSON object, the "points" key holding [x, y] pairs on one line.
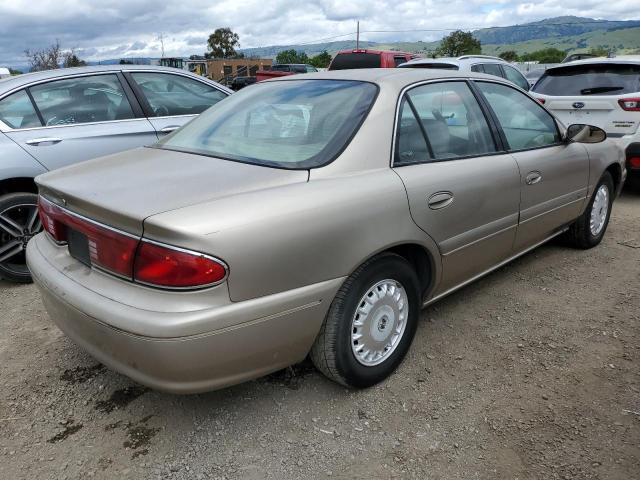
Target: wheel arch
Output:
{"points": [[18, 185], [615, 170]]}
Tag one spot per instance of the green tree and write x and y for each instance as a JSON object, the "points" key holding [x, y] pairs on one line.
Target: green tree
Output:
{"points": [[291, 56], [14, 72], [70, 59], [459, 43], [509, 56], [222, 43], [322, 60], [599, 51], [546, 55]]}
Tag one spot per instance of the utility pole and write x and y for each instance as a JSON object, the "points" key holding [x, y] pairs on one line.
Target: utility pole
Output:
{"points": [[161, 37], [358, 35]]}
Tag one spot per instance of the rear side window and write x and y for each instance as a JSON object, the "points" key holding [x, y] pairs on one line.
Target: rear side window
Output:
{"points": [[345, 61], [492, 69], [170, 95], [95, 98], [398, 60], [17, 111], [513, 75], [595, 79], [452, 120], [524, 122]]}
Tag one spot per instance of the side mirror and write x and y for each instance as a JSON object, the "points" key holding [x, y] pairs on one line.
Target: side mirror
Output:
{"points": [[581, 133]]}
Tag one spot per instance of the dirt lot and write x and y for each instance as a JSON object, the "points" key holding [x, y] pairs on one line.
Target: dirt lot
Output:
{"points": [[533, 372]]}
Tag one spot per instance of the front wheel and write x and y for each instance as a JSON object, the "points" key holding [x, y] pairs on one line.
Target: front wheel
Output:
{"points": [[370, 324], [589, 228], [18, 223]]}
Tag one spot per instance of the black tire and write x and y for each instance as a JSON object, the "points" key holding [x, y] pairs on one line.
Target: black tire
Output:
{"points": [[580, 234], [17, 208], [332, 352]]}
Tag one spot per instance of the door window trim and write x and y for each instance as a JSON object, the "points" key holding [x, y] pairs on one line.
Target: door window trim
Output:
{"points": [[498, 124], [133, 102], [495, 133]]}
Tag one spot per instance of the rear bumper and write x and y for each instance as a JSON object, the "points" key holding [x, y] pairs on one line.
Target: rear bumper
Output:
{"points": [[257, 343]]}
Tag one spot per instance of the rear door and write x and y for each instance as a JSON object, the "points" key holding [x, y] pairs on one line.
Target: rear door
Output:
{"points": [[80, 118], [170, 100], [591, 94], [462, 189], [554, 175]]}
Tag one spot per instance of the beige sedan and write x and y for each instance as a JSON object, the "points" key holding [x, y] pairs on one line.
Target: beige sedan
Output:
{"points": [[312, 215]]}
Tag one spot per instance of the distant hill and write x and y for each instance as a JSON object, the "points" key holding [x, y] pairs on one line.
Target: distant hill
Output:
{"points": [[549, 28]]}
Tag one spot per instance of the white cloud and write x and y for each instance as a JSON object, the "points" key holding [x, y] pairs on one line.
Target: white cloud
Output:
{"points": [[113, 28]]}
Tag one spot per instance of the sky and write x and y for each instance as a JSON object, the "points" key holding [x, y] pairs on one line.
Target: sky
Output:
{"points": [[104, 29]]}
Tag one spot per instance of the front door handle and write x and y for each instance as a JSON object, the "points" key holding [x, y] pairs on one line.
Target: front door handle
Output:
{"points": [[533, 178], [36, 142], [169, 128], [440, 200]]}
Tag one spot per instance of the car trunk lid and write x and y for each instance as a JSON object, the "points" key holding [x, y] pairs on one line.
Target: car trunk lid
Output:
{"points": [[122, 190]]}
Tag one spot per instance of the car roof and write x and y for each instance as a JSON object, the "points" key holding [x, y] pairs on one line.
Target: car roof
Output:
{"points": [[391, 77], [626, 59], [375, 52], [456, 60], [27, 78]]}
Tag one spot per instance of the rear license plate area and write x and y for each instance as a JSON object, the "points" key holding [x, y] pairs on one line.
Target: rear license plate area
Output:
{"points": [[78, 245]]}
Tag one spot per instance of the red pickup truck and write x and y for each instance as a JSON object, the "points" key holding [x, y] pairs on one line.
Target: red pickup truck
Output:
{"points": [[363, 58], [284, 69]]}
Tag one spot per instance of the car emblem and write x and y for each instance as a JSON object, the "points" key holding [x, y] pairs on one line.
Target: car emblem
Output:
{"points": [[578, 104]]}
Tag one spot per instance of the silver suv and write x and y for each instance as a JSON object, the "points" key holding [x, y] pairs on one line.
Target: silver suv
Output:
{"points": [[473, 63]]}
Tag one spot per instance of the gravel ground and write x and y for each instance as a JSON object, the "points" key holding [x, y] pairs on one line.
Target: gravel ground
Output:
{"points": [[530, 373]]}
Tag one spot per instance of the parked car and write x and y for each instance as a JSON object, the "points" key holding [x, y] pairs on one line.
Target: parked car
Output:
{"points": [[283, 70], [533, 76], [239, 83], [366, 58], [59, 117], [4, 73], [310, 215], [601, 91], [473, 63]]}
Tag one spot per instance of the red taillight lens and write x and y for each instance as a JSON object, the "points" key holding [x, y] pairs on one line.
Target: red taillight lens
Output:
{"points": [[630, 104], [108, 249], [168, 267], [541, 100], [634, 162]]}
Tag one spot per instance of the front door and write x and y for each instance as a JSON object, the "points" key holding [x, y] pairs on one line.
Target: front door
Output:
{"points": [[554, 174], [462, 190]]}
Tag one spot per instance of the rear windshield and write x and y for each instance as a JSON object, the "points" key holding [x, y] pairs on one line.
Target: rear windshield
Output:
{"points": [[596, 79], [281, 68], [294, 124], [440, 66], [345, 61]]}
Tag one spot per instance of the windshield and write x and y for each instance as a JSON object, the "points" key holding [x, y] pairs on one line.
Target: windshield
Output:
{"points": [[293, 124], [594, 79]]}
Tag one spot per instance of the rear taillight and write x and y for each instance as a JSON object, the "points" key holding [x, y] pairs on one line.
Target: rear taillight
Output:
{"points": [[541, 100], [109, 249], [630, 104], [634, 162], [170, 267], [128, 256]]}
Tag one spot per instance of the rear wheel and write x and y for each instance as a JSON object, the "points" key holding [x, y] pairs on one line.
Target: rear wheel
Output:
{"points": [[370, 324], [589, 228], [19, 222]]}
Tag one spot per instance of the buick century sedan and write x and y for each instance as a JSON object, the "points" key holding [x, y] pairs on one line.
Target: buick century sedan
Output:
{"points": [[310, 215]]}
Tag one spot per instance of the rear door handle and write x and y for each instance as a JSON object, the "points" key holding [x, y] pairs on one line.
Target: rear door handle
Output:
{"points": [[440, 200], [36, 142], [169, 128], [533, 178]]}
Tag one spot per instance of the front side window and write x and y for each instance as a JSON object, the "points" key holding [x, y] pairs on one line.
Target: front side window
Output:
{"points": [[525, 123], [451, 118], [293, 124], [170, 95], [516, 77], [594, 79], [95, 98], [17, 111]]}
